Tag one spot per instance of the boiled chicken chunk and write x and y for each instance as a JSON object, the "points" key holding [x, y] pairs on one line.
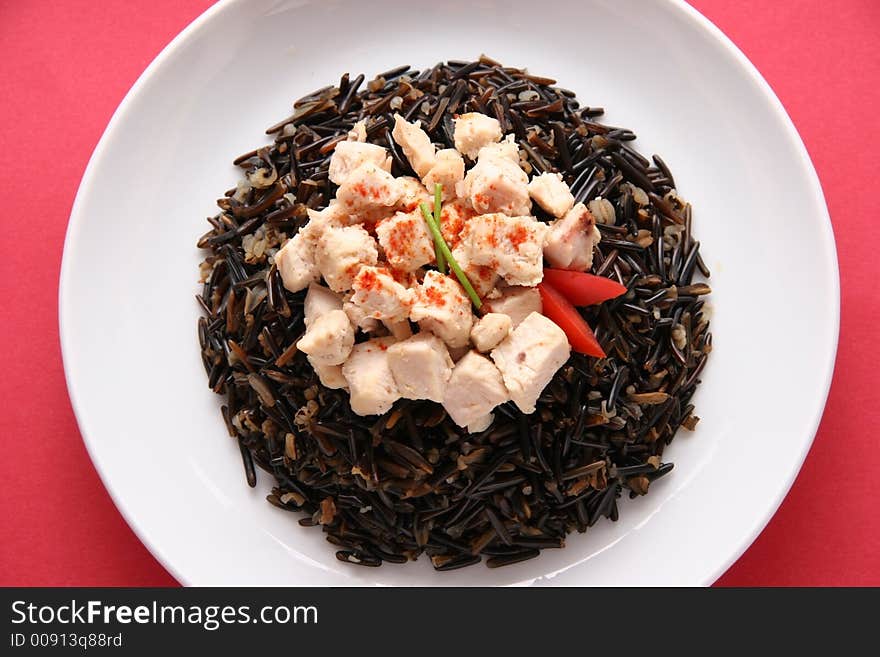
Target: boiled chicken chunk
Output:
{"points": [[341, 252], [529, 357], [369, 188], [475, 388], [515, 302], [416, 145], [496, 184], [442, 307], [370, 382], [448, 171], [421, 367], [379, 295], [473, 131], [551, 193], [406, 240], [349, 155], [512, 246], [319, 301], [329, 339], [571, 240], [489, 331]]}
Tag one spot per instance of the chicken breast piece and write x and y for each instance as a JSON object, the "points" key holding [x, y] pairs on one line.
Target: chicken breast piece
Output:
{"points": [[372, 390], [453, 217], [406, 241], [360, 319], [516, 302], [421, 367], [296, 262], [329, 339], [483, 279], [448, 170], [368, 188], [358, 131], [318, 302], [511, 246], [506, 149], [416, 145], [379, 295], [550, 192], [473, 131], [571, 240], [341, 252], [474, 389], [496, 184], [490, 330], [412, 193], [297, 259], [529, 357], [329, 375], [442, 307], [349, 155], [335, 214]]}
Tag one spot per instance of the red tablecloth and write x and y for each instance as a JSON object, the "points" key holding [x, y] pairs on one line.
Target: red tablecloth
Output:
{"points": [[65, 66]]}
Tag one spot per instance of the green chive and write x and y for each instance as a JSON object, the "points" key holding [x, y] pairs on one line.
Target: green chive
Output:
{"points": [[438, 193], [444, 248], [426, 213]]}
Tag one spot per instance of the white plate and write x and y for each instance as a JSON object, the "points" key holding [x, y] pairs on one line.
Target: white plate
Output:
{"points": [[128, 317]]}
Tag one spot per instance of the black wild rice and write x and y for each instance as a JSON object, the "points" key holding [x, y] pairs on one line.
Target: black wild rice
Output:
{"points": [[409, 482]]}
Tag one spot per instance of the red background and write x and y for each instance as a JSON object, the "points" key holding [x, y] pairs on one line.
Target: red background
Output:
{"points": [[65, 66]]}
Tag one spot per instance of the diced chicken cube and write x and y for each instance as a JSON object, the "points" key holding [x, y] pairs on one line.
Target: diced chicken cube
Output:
{"points": [[421, 367], [416, 145], [369, 188], [349, 155], [448, 170], [482, 278], [490, 330], [358, 131], [529, 357], [379, 295], [442, 307], [319, 301], [571, 240], [482, 424], [341, 252], [296, 262], [551, 193], [360, 319], [406, 240], [512, 246], [473, 131], [506, 149], [474, 389], [329, 375], [329, 339], [335, 214], [453, 217], [297, 259], [496, 184], [370, 382], [517, 303], [412, 193]]}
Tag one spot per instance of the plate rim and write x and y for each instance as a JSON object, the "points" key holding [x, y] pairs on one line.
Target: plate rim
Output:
{"points": [[687, 12]]}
